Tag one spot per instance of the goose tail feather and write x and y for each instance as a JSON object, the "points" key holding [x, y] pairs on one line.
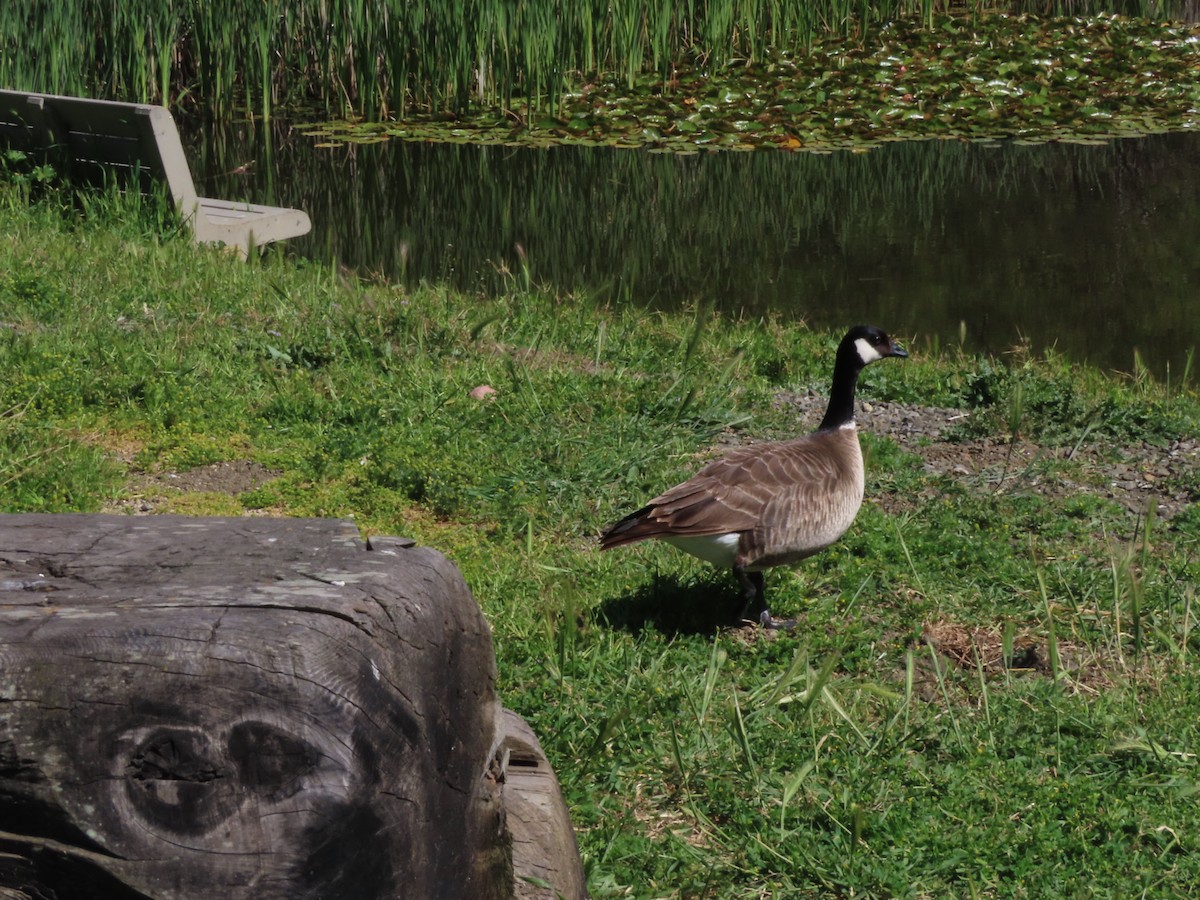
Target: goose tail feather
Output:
{"points": [[631, 529]]}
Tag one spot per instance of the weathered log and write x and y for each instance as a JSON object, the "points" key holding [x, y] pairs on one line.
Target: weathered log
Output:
{"points": [[544, 849], [256, 708]]}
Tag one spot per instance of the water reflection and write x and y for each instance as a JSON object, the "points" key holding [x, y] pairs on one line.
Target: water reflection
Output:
{"points": [[1088, 248]]}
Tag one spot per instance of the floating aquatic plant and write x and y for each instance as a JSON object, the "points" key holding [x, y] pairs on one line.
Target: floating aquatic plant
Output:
{"points": [[1030, 78]]}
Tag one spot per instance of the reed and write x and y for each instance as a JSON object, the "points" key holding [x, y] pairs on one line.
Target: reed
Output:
{"points": [[377, 59]]}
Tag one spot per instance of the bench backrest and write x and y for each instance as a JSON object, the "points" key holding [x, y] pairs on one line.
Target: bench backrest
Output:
{"points": [[95, 139]]}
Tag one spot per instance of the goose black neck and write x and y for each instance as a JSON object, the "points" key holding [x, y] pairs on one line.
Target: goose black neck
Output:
{"points": [[841, 395]]}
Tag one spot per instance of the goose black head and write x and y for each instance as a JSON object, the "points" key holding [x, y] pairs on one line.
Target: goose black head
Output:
{"points": [[861, 346], [868, 343]]}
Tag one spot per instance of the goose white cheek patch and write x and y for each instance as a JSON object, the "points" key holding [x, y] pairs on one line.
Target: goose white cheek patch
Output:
{"points": [[866, 352]]}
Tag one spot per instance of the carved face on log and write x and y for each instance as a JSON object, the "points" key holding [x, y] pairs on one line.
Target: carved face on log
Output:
{"points": [[251, 711]]}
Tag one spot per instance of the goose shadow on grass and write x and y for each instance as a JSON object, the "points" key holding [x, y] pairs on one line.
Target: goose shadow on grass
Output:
{"points": [[673, 606]]}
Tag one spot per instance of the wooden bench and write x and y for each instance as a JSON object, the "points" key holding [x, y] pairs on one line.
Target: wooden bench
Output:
{"points": [[88, 141]]}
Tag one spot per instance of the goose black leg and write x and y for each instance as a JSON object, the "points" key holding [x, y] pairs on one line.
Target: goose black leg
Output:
{"points": [[755, 609], [751, 584]]}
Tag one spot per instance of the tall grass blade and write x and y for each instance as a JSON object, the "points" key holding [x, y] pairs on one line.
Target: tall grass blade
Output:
{"points": [[677, 755], [832, 702], [816, 685], [790, 786], [908, 556], [984, 692], [1051, 635], [940, 676], [771, 692], [738, 723], [715, 660]]}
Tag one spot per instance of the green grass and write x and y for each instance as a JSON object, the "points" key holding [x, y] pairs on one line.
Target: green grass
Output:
{"points": [[881, 749]]}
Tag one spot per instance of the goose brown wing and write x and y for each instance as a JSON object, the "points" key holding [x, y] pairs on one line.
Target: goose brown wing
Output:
{"points": [[809, 479], [746, 490], [820, 492], [687, 509]]}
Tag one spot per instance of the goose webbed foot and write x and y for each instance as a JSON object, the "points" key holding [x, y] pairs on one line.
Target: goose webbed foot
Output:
{"points": [[766, 620], [755, 611]]}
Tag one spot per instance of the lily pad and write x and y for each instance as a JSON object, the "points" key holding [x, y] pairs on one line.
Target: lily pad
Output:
{"points": [[986, 77]]}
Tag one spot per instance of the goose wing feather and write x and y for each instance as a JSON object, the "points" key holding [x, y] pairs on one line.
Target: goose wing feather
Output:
{"points": [[755, 488]]}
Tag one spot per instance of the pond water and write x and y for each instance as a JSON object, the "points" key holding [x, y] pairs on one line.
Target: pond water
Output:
{"points": [[1092, 249]]}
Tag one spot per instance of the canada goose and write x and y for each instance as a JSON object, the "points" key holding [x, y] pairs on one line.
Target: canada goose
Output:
{"points": [[770, 504]]}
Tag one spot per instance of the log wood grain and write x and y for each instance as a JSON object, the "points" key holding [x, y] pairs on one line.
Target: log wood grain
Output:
{"points": [[245, 708]]}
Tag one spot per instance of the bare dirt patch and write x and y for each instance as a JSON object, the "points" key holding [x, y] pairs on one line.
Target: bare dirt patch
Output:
{"points": [[1133, 475], [152, 490], [1082, 667]]}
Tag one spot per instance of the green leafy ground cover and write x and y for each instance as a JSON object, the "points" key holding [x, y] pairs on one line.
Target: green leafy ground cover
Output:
{"points": [[968, 78], [994, 687]]}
